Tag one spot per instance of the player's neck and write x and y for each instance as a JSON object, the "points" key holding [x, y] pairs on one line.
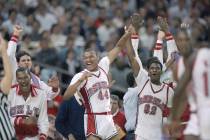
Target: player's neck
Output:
{"points": [[156, 82]]}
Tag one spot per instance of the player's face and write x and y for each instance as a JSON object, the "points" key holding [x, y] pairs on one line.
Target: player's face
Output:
{"points": [[155, 72], [25, 62], [183, 43], [90, 59], [24, 80]]}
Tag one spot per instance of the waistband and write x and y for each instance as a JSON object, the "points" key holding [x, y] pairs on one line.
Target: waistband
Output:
{"points": [[98, 113], [130, 131]]}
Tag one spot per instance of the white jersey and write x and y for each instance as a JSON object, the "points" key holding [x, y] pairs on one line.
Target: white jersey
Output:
{"points": [[12, 46], [153, 102], [95, 90], [34, 105], [201, 89]]}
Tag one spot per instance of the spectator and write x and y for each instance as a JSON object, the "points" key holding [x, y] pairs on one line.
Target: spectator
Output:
{"points": [[69, 121], [118, 116], [130, 102]]}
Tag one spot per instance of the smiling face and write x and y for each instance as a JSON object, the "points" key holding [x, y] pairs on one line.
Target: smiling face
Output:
{"points": [[90, 60], [155, 72], [24, 80]]}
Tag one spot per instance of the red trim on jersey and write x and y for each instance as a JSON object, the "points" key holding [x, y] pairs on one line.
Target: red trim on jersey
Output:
{"points": [[157, 90], [14, 38], [104, 72], [143, 87], [169, 36], [91, 127], [158, 46], [33, 90], [166, 111], [101, 113], [134, 36]]}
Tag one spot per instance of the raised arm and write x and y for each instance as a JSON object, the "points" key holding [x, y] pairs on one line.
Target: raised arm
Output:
{"points": [[158, 50], [6, 82], [133, 44], [12, 47], [120, 44]]}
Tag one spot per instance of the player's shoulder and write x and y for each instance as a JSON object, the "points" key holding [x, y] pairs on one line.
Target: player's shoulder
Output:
{"points": [[38, 91], [169, 87]]}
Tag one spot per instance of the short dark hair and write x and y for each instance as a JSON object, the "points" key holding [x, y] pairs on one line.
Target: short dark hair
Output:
{"points": [[130, 79], [22, 69], [20, 54], [153, 60]]}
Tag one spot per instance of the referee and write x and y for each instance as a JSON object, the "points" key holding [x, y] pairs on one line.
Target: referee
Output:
{"points": [[7, 131]]}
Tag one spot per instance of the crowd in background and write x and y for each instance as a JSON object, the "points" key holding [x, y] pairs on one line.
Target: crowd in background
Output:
{"points": [[57, 31]]}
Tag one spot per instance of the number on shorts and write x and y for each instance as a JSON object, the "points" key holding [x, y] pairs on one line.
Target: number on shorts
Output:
{"points": [[150, 110]]}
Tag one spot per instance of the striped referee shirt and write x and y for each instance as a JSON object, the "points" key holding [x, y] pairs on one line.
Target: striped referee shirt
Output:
{"points": [[7, 131]]}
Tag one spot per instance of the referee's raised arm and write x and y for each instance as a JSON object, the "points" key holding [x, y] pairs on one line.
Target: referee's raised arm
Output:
{"points": [[7, 131]]}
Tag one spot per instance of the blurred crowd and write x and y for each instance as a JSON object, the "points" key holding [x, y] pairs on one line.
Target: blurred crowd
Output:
{"points": [[55, 32]]}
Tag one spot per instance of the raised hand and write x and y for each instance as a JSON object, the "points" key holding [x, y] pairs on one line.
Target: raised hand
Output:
{"points": [[137, 21], [184, 26], [130, 29], [85, 76], [17, 30], [162, 22]]}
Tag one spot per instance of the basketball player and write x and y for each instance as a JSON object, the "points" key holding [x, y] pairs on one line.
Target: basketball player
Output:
{"points": [[23, 59], [93, 85], [28, 108], [154, 97], [197, 72]]}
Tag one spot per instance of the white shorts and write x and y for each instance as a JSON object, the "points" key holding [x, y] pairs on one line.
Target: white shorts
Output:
{"points": [[204, 122], [99, 125], [141, 138], [192, 126]]}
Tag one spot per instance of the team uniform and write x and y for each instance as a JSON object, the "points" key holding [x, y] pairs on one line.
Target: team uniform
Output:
{"points": [[201, 90], [34, 105], [154, 102], [7, 131], [12, 46], [168, 77], [95, 92]]}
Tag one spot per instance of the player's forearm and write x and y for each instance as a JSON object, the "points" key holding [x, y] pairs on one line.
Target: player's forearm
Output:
{"points": [[7, 80], [171, 45], [158, 52], [119, 46], [131, 56], [71, 90]]}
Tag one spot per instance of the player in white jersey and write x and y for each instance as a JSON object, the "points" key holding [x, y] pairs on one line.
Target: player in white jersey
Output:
{"points": [[93, 85], [154, 97], [198, 71], [24, 60], [28, 108]]}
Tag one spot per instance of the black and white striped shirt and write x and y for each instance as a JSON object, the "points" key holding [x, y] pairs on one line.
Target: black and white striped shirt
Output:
{"points": [[7, 131]]}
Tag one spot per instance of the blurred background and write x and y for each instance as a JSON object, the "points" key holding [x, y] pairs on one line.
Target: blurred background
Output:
{"points": [[57, 31]]}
